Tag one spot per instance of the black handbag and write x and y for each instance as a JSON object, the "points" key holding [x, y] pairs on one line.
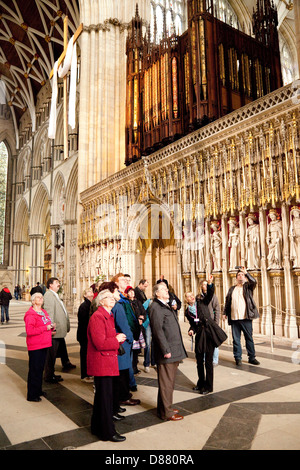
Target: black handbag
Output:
{"points": [[121, 350]]}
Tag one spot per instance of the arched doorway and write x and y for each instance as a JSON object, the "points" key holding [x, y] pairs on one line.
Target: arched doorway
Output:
{"points": [[155, 251], [39, 226]]}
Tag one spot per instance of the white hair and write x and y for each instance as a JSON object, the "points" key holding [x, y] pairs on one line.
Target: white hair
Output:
{"points": [[102, 294], [34, 296]]}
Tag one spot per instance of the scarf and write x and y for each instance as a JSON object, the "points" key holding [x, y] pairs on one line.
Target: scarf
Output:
{"points": [[192, 309]]}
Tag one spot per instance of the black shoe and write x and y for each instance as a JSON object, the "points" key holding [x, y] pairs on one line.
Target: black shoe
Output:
{"points": [[54, 380], [121, 410], [68, 366], [118, 438], [133, 389], [238, 362], [196, 388], [58, 378], [43, 394], [34, 399], [205, 392], [254, 361], [118, 417]]}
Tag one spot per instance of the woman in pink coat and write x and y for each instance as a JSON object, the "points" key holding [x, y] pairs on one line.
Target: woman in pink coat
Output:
{"points": [[39, 330], [102, 363]]}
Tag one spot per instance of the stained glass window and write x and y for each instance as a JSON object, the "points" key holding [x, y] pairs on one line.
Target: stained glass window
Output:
{"points": [[174, 12], [3, 184], [287, 69], [225, 13]]}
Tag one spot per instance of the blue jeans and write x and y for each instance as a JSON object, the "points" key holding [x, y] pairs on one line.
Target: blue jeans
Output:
{"points": [[148, 348], [4, 310], [244, 326], [132, 381], [216, 356]]}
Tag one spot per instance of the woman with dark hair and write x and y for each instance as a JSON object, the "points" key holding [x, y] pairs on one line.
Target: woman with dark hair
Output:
{"points": [[83, 321], [136, 315]]}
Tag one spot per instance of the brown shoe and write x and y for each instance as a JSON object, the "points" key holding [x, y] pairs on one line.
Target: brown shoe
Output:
{"points": [[175, 417], [131, 402]]}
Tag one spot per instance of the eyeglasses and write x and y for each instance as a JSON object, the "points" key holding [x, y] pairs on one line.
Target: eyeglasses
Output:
{"points": [[108, 297]]}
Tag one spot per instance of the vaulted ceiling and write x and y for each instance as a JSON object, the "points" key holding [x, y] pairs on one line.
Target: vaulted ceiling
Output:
{"points": [[31, 40]]}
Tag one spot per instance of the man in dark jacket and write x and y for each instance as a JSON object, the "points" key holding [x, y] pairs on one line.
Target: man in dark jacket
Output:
{"points": [[240, 309], [5, 298], [140, 290], [169, 350], [37, 288]]}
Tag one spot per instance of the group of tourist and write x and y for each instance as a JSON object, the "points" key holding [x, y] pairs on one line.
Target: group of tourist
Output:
{"points": [[116, 322]]}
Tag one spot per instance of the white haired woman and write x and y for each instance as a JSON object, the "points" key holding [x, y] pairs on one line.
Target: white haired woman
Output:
{"points": [[102, 363], [39, 331]]}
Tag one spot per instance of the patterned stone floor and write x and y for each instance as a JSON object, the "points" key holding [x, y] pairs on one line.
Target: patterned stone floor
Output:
{"points": [[251, 408]]}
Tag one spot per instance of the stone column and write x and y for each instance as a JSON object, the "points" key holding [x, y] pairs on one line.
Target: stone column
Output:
{"points": [[180, 281], [242, 225], [19, 262], [103, 87], [54, 229], [208, 260], [290, 326], [225, 263], [266, 314], [297, 30], [36, 258]]}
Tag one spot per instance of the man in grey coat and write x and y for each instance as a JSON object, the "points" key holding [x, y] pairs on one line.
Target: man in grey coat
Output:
{"points": [[59, 315], [168, 348]]}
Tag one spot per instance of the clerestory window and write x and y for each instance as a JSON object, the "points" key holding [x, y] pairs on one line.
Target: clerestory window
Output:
{"points": [[172, 13], [3, 188]]}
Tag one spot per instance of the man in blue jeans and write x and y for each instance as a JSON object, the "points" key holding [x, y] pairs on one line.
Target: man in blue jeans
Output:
{"points": [[5, 298], [240, 309]]}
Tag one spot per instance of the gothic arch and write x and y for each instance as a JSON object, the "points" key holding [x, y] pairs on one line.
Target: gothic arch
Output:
{"points": [[8, 139], [58, 199], [22, 222], [59, 136], [72, 194], [23, 165], [287, 40], [151, 238], [39, 211], [42, 148]]}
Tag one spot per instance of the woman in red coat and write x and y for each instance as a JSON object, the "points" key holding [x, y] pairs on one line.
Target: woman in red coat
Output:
{"points": [[102, 363]]}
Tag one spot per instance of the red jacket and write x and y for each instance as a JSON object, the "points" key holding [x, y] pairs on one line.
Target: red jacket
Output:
{"points": [[102, 351], [38, 337]]}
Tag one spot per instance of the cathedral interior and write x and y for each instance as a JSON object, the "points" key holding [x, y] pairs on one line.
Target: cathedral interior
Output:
{"points": [[167, 143]]}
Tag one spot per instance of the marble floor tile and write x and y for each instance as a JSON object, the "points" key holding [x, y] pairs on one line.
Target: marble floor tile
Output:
{"points": [[251, 407]]}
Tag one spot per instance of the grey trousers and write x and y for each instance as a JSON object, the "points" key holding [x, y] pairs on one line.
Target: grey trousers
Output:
{"points": [[166, 382]]}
